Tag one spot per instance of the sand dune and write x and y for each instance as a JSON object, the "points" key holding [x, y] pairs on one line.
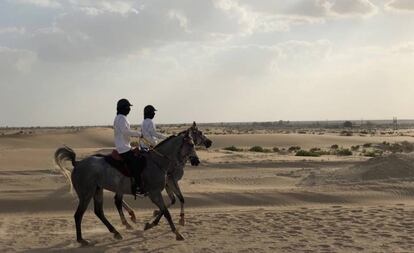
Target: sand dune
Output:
{"points": [[235, 201]]}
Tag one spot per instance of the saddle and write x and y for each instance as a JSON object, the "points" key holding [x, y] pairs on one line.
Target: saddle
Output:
{"points": [[116, 161]]}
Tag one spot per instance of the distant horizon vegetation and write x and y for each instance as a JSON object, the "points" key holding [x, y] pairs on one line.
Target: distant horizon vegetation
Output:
{"points": [[400, 123]]}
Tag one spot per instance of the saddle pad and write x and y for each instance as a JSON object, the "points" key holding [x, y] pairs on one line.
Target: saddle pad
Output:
{"points": [[119, 165]]}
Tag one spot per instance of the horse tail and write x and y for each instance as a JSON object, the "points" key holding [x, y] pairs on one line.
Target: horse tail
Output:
{"points": [[64, 154]]}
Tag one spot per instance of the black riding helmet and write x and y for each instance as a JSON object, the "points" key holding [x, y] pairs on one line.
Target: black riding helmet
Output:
{"points": [[123, 103], [149, 112], [123, 106]]}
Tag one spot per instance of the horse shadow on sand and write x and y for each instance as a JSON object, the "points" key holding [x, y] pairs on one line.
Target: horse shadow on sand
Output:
{"points": [[102, 244]]}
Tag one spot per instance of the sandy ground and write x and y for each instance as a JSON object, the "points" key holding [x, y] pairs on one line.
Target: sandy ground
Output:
{"points": [[235, 201]]}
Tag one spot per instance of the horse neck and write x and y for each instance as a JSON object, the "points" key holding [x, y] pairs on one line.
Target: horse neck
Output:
{"points": [[170, 149]]}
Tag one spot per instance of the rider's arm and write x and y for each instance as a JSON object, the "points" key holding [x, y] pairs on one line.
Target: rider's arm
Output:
{"points": [[155, 134], [126, 130]]}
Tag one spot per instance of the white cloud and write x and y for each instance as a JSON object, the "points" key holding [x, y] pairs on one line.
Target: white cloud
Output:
{"points": [[350, 7], [15, 62], [400, 5], [41, 3], [406, 48]]}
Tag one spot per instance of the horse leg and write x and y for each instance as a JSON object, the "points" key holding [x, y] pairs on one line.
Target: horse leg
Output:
{"points": [[157, 199], [177, 191], [118, 204], [83, 205], [98, 204], [130, 211], [172, 198]]}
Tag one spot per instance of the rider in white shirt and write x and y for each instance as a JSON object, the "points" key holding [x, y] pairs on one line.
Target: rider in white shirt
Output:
{"points": [[122, 134], [148, 130]]}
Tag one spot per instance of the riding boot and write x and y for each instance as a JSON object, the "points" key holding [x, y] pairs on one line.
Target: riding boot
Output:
{"points": [[139, 184], [133, 188]]}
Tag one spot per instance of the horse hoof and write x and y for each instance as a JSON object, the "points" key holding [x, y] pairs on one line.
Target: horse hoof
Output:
{"points": [[118, 236], [147, 226], [156, 213], [179, 237], [134, 220], [182, 222], [132, 217], [83, 242]]}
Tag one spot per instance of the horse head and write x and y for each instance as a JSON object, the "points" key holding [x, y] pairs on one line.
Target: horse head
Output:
{"points": [[188, 149], [198, 137]]}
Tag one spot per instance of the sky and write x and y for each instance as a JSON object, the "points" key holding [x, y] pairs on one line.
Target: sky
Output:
{"points": [[68, 62]]}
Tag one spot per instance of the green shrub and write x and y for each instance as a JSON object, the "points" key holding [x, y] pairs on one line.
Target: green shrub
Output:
{"points": [[306, 153], [343, 152], [256, 149], [233, 148], [355, 148], [373, 153]]}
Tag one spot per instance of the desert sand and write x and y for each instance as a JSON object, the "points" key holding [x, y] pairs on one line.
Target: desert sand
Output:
{"points": [[235, 201]]}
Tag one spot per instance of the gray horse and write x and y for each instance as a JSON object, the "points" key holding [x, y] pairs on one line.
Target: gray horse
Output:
{"points": [[93, 174], [172, 187]]}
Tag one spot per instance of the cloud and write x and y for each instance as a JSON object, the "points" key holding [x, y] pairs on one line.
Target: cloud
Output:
{"points": [[15, 62], [406, 48], [400, 5], [40, 3], [6, 30], [350, 7], [314, 8]]}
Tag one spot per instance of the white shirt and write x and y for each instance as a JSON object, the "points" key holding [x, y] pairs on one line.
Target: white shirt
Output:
{"points": [[149, 133], [122, 134]]}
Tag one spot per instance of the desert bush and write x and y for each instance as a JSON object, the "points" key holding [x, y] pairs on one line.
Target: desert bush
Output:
{"points": [[407, 146], [315, 149], [307, 153], [343, 152], [233, 148], [355, 148], [302, 132], [257, 149], [335, 146], [373, 153], [367, 145], [294, 149], [346, 133], [404, 146], [276, 149]]}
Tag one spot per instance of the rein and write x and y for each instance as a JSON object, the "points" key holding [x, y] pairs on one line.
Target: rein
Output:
{"points": [[157, 153]]}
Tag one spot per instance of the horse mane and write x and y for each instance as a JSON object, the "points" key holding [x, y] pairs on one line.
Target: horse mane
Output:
{"points": [[165, 141], [168, 138]]}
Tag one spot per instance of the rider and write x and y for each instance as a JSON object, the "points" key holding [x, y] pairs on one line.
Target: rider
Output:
{"points": [[122, 133], [149, 135]]}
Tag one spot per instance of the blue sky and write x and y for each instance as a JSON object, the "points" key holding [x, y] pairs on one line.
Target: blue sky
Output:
{"points": [[68, 62]]}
